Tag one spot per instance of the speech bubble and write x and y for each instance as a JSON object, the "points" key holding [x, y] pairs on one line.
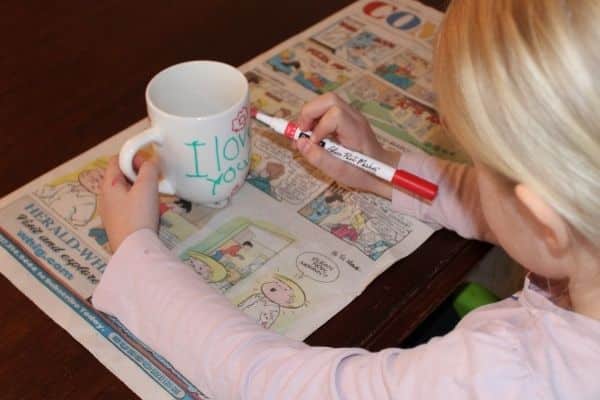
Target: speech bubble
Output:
{"points": [[317, 267]]}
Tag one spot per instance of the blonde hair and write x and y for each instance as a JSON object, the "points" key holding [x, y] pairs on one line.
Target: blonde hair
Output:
{"points": [[519, 88]]}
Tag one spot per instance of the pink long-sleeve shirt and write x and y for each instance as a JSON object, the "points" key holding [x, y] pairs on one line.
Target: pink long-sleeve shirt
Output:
{"points": [[524, 347]]}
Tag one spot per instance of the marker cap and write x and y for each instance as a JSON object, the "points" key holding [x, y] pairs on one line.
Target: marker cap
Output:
{"points": [[414, 184]]}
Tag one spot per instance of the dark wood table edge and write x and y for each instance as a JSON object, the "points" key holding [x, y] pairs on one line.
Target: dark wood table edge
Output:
{"points": [[402, 296], [445, 278]]}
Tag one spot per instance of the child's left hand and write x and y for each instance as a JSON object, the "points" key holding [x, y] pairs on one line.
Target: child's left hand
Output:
{"points": [[126, 208]]}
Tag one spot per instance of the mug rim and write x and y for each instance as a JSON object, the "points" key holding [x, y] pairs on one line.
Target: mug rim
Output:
{"points": [[235, 105]]}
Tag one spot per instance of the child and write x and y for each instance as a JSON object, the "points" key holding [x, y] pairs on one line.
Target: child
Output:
{"points": [[517, 86]]}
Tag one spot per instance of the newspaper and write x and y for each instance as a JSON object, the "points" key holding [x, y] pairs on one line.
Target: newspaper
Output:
{"points": [[288, 225]]}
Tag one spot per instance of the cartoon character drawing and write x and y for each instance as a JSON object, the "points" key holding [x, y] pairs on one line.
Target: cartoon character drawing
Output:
{"points": [[285, 61], [211, 271], [324, 206], [75, 201], [313, 81], [366, 48], [265, 306], [312, 67], [399, 75], [262, 180], [410, 72], [241, 247], [232, 250], [351, 231]]}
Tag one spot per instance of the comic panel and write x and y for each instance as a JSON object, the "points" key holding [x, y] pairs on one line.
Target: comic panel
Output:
{"points": [[74, 198], [270, 95], [312, 66], [276, 168], [280, 171], [234, 251], [271, 297], [362, 220], [411, 72], [180, 218], [401, 117], [364, 46], [295, 298]]}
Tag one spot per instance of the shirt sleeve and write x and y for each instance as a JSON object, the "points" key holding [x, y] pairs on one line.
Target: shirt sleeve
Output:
{"points": [[457, 205], [217, 347], [229, 356]]}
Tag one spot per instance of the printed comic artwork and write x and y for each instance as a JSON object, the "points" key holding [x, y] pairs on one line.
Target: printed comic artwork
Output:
{"points": [[74, 196], [350, 40], [312, 66], [269, 96], [180, 218], [402, 117], [363, 220], [279, 171], [275, 293], [410, 72], [234, 251]]}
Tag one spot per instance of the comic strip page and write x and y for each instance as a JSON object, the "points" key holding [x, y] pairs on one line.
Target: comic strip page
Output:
{"points": [[354, 41], [257, 256], [400, 119], [311, 66], [293, 247]]}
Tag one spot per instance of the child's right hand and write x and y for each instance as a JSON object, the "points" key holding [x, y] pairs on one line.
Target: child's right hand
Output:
{"points": [[329, 115]]}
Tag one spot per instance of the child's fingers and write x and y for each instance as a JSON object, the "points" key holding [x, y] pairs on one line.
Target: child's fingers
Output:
{"points": [[320, 158], [331, 122], [314, 110], [147, 179], [114, 181], [138, 160]]}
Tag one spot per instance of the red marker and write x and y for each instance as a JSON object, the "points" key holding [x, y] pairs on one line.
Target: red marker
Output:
{"points": [[397, 177]]}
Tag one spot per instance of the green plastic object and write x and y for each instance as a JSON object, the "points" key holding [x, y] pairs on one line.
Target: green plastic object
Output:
{"points": [[471, 296]]}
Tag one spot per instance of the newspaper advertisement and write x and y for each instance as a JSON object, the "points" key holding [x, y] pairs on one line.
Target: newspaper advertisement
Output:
{"points": [[289, 224]]}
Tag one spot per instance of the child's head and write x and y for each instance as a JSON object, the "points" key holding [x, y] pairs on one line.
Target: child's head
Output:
{"points": [[518, 86]]}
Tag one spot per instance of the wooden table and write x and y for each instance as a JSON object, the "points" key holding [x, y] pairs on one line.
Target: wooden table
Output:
{"points": [[73, 74]]}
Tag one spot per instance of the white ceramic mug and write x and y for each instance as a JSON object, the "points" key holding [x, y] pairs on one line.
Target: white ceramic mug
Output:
{"points": [[200, 130]]}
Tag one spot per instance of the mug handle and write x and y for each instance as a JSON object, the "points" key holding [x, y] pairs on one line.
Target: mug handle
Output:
{"points": [[132, 146]]}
